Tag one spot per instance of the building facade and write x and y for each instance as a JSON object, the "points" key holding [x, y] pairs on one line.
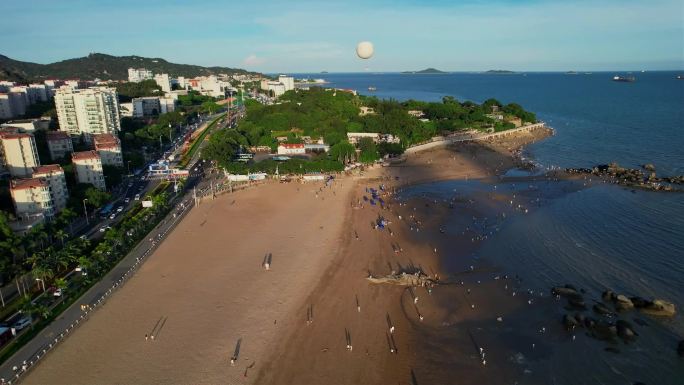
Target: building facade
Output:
{"points": [[88, 112], [19, 154], [59, 144], [291, 149], [31, 197], [28, 125], [287, 81], [54, 175], [146, 107], [108, 147], [136, 75], [88, 166], [163, 81]]}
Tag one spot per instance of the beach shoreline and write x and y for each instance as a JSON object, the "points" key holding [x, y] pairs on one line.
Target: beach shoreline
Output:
{"points": [[210, 285]]}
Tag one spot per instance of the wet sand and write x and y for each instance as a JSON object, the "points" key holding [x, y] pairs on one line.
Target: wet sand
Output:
{"points": [[207, 285]]}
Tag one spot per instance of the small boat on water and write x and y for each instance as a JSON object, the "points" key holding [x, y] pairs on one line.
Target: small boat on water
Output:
{"points": [[680, 77], [628, 79], [372, 88]]}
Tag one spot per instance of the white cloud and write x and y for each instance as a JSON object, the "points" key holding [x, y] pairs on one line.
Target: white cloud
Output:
{"points": [[253, 60]]}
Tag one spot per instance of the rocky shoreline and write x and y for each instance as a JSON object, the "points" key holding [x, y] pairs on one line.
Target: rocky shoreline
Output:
{"points": [[643, 178]]}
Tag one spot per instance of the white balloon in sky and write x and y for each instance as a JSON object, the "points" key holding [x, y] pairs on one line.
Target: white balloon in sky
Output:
{"points": [[364, 49]]}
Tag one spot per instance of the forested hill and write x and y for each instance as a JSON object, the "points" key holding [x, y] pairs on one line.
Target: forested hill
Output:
{"points": [[101, 66]]}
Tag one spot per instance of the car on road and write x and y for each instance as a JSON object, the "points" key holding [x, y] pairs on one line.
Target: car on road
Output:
{"points": [[130, 184], [119, 209], [57, 293], [127, 200], [112, 216], [22, 323], [103, 229], [137, 197]]}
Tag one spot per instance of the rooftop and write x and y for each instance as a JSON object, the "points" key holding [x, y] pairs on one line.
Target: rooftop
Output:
{"points": [[83, 155], [292, 145], [46, 169], [23, 184], [14, 135], [105, 141], [57, 135]]}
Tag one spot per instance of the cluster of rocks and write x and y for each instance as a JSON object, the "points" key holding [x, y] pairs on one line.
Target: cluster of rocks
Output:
{"points": [[645, 177], [611, 306]]}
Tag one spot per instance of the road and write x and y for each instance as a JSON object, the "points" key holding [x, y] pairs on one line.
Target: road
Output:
{"points": [[34, 350]]}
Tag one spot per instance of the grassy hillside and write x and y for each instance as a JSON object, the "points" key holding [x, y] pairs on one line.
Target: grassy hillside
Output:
{"points": [[97, 65]]}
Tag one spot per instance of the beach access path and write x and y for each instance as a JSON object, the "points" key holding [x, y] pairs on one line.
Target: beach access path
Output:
{"points": [[205, 295]]}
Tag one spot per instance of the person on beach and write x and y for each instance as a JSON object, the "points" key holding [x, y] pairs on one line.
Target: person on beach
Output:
{"points": [[146, 336]]}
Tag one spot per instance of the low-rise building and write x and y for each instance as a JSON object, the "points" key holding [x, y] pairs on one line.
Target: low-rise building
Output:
{"points": [[31, 197], [28, 125], [366, 111], [59, 144], [136, 75], [126, 110], [88, 166], [146, 107], [355, 137], [416, 113], [54, 175], [316, 147], [108, 147], [167, 104], [19, 154], [291, 149]]}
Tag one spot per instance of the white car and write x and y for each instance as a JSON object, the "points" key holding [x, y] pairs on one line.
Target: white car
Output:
{"points": [[127, 200], [137, 197], [119, 209], [57, 293], [112, 216], [103, 229], [22, 323]]}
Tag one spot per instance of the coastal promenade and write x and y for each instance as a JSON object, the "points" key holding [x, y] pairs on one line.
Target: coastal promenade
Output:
{"points": [[472, 135]]}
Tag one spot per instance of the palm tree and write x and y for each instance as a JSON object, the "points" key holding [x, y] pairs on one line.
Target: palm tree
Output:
{"points": [[61, 234], [43, 272]]}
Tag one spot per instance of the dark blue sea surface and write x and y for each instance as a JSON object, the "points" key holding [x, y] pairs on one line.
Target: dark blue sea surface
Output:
{"points": [[598, 237]]}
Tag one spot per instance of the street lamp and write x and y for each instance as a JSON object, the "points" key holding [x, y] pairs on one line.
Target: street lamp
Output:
{"points": [[85, 210]]}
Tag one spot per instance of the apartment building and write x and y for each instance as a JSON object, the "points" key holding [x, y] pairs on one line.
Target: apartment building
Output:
{"points": [[59, 144], [136, 75], [163, 81], [18, 153], [88, 111], [54, 175], [88, 166], [32, 197], [108, 147]]}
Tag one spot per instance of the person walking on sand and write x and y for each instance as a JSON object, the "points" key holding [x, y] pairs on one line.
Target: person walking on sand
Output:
{"points": [[146, 336]]}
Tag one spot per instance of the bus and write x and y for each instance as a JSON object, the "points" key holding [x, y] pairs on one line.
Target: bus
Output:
{"points": [[106, 210]]}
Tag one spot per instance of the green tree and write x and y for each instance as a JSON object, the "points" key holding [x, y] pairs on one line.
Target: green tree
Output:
{"points": [[97, 198], [369, 151], [342, 152]]}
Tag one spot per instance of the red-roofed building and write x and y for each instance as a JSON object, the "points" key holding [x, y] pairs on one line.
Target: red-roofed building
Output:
{"points": [[60, 145], [291, 149], [54, 175], [109, 148], [88, 166], [31, 196]]}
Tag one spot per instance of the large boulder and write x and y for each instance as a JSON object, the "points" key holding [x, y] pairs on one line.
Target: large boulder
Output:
{"points": [[622, 303], [603, 309], [660, 307], [625, 330]]}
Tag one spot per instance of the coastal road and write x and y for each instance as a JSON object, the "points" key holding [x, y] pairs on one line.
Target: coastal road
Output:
{"points": [[26, 356]]}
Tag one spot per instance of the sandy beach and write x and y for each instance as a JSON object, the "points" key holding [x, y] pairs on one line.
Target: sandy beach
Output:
{"points": [[205, 290]]}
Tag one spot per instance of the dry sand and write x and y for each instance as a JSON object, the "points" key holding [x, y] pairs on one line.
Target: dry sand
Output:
{"points": [[207, 281]]}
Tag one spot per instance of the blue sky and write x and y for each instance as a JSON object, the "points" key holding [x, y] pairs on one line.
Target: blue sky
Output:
{"points": [[301, 36]]}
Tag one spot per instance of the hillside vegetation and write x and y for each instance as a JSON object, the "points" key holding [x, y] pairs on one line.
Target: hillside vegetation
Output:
{"points": [[101, 66]]}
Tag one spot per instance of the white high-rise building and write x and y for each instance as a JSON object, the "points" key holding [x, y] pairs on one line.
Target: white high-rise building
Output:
{"points": [[138, 74], [89, 111], [287, 81], [163, 81]]}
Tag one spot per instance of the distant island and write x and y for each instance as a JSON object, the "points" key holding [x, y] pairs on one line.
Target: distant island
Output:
{"points": [[500, 72], [426, 71]]}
